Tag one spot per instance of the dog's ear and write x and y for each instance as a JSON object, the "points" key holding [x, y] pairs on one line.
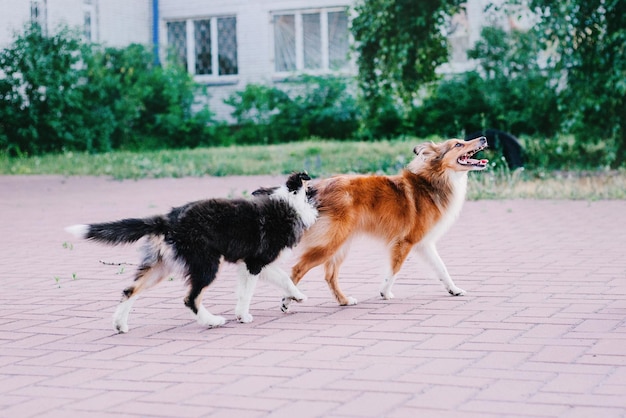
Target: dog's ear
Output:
{"points": [[424, 150], [264, 191], [418, 149], [294, 182]]}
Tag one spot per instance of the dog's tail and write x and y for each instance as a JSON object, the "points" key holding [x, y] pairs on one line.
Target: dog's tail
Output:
{"points": [[124, 231]]}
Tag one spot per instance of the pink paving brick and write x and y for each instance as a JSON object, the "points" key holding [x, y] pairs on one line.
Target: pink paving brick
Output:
{"points": [[540, 333]]}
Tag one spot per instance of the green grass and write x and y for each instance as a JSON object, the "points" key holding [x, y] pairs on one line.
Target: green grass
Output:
{"points": [[320, 158]]}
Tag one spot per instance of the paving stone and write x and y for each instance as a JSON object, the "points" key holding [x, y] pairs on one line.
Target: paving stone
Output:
{"points": [[540, 333]]}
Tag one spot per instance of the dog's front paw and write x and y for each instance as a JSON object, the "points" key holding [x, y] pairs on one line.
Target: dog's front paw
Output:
{"points": [[284, 304], [349, 301], [300, 297], [456, 291], [386, 295], [215, 321], [245, 318], [205, 318], [121, 327]]}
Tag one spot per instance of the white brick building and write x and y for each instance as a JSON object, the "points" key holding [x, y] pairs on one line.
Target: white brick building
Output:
{"points": [[226, 43], [112, 22]]}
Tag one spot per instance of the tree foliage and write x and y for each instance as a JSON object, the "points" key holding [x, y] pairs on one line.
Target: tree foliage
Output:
{"points": [[589, 38], [399, 44], [509, 91]]}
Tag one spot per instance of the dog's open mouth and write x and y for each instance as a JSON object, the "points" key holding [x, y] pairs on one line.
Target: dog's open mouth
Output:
{"points": [[467, 160]]}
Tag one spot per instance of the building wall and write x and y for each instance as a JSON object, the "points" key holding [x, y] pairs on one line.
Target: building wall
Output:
{"points": [[115, 22], [13, 16], [122, 22], [254, 37]]}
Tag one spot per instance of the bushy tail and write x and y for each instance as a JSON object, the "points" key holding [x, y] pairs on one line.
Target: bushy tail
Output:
{"points": [[121, 232]]}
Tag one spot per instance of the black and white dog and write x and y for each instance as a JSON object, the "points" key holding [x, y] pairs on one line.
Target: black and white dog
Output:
{"points": [[191, 240]]}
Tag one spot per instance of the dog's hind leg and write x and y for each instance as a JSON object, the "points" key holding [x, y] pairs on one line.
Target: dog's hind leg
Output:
{"points": [[200, 276], [147, 276], [399, 252], [331, 268], [278, 277], [246, 282], [430, 254]]}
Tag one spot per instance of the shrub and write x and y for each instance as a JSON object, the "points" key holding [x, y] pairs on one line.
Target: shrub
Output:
{"points": [[40, 93], [148, 106], [262, 115], [456, 106], [58, 94], [327, 108], [311, 106]]}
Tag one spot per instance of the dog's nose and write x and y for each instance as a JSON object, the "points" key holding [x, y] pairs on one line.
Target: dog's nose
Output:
{"points": [[483, 141]]}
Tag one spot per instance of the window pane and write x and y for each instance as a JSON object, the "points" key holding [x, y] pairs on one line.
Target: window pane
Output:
{"points": [[285, 42], [87, 26], [38, 14], [227, 45], [338, 40], [177, 42], [312, 40], [202, 36]]}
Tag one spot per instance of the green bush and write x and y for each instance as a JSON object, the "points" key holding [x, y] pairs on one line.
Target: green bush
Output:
{"points": [[458, 105], [150, 106], [262, 115], [41, 104], [58, 94], [327, 108], [313, 106], [565, 152]]}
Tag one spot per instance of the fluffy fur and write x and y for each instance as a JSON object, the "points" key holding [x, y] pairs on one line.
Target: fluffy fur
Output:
{"points": [[411, 209], [191, 240]]}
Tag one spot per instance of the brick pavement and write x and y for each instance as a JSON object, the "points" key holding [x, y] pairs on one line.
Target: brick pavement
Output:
{"points": [[541, 332]]}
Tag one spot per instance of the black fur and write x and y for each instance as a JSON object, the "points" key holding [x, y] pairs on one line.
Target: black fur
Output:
{"points": [[200, 233], [295, 181], [311, 192]]}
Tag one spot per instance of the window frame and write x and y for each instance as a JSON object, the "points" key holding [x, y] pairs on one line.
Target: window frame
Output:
{"points": [[89, 8], [215, 77], [41, 18], [299, 47]]}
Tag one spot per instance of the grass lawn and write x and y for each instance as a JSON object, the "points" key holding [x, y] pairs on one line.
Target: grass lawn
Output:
{"points": [[319, 158]]}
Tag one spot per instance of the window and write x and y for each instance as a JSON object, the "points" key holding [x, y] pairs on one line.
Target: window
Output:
{"points": [[311, 40], [206, 47], [88, 21], [38, 12]]}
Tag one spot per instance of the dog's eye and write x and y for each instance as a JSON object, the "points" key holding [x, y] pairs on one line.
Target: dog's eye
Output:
{"points": [[458, 144]]}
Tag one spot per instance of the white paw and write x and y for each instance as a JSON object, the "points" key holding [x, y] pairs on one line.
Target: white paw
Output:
{"points": [[120, 326], [350, 301], [387, 295], [456, 291], [284, 304], [207, 319], [298, 297], [245, 318]]}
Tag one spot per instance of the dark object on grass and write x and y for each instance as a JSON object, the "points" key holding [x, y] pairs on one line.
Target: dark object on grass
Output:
{"points": [[511, 148]]}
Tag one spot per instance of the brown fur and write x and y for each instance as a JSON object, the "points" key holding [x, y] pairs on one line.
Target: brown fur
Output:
{"points": [[412, 208]]}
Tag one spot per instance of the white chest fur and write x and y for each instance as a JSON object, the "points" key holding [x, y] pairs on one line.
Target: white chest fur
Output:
{"points": [[450, 214]]}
